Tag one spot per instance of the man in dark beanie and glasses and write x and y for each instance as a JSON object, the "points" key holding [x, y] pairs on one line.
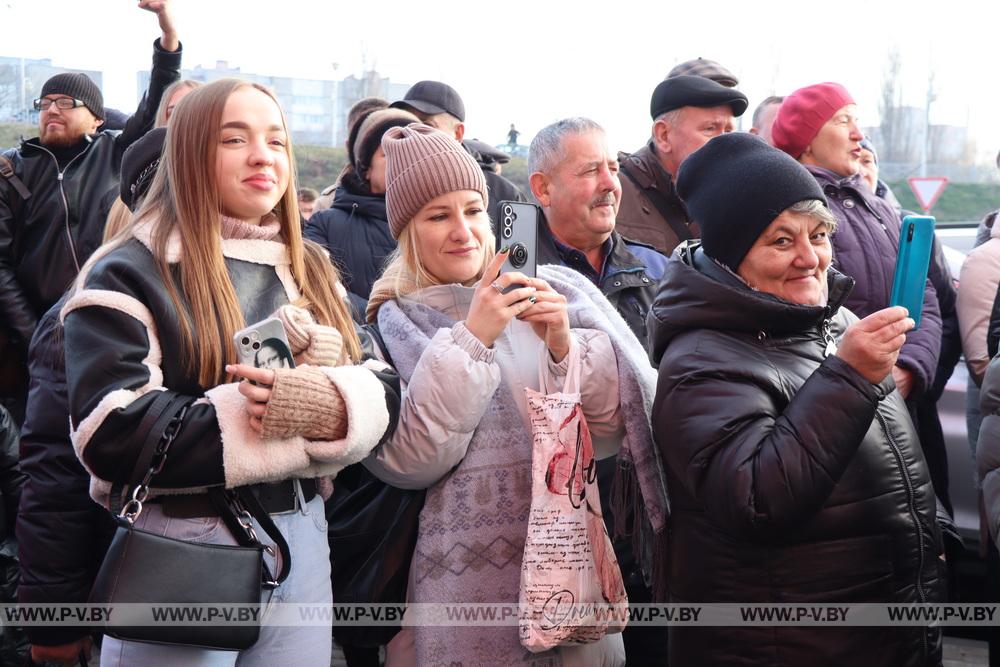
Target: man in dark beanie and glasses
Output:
{"points": [[51, 189]]}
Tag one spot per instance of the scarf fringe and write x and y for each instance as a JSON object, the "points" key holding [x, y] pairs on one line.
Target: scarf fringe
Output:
{"points": [[631, 521]]}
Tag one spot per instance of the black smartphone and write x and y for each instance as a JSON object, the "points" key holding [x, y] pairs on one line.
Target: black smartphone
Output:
{"points": [[517, 229], [916, 239]]}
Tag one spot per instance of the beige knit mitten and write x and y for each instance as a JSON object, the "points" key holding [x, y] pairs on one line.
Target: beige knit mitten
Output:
{"points": [[312, 344], [304, 402]]}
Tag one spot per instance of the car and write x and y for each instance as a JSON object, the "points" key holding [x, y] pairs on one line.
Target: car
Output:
{"points": [[975, 578]]}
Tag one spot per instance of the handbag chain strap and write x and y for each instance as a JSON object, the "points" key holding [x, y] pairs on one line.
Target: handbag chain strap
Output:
{"points": [[237, 510], [133, 508]]}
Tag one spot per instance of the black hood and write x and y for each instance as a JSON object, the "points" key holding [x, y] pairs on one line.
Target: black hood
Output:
{"points": [[370, 206], [697, 293]]}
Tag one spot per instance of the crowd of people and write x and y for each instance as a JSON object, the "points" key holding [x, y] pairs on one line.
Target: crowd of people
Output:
{"points": [[764, 423]]}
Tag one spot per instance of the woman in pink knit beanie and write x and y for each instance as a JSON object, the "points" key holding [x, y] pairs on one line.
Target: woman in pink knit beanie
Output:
{"points": [[466, 348]]}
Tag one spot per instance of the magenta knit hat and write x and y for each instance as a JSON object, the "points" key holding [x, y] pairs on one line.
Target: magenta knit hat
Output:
{"points": [[803, 114], [423, 163]]}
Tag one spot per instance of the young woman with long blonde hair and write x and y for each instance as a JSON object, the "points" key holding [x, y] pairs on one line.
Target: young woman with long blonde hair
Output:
{"points": [[217, 245]]}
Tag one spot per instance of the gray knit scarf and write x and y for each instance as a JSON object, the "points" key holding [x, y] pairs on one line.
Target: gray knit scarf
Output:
{"points": [[474, 521]]}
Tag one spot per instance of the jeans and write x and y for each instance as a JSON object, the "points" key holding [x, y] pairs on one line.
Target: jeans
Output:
{"points": [[307, 583]]}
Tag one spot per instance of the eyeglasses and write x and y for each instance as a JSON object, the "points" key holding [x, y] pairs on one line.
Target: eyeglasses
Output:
{"points": [[64, 103]]}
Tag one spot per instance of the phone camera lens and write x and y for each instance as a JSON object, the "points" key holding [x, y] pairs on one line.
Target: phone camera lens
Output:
{"points": [[508, 210], [507, 231], [256, 345], [909, 233], [518, 255], [245, 340]]}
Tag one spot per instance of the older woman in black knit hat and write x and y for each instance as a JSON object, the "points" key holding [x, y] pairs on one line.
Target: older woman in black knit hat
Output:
{"points": [[794, 470]]}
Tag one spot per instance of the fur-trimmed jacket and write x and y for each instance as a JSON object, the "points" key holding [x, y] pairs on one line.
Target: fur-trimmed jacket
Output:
{"points": [[122, 342]]}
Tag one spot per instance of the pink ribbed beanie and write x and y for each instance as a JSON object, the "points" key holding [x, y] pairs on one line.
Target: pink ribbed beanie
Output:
{"points": [[423, 163]]}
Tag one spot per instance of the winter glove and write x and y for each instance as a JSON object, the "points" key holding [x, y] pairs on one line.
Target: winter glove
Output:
{"points": [[304, 402], [312, 344]]}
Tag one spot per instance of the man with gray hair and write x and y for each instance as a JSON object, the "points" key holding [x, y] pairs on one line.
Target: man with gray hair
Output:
{"points": [[763, 117], [574, 177], [687, 111]]}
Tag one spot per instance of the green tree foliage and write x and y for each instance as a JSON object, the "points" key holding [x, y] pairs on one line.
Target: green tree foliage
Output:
{"points": [[318, 166], [10, 134]]}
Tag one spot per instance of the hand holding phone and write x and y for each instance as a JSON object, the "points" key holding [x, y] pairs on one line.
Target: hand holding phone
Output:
{"points": [[264, 345], [261, 349], [916, 240]]}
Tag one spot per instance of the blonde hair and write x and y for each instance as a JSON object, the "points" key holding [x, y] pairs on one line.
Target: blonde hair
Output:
{"points": [[161, 111], [184, 197], [118, 220], [405, 273]]}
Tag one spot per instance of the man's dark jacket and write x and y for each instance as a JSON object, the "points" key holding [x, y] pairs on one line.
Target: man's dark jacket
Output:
{"points": [[651, 211], [631, 272], [45, 239], [62, 533], [355, 230]]}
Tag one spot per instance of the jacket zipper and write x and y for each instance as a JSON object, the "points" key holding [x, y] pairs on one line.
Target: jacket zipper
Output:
{"points": [[62, 194], [831, 348], [911, 506]]}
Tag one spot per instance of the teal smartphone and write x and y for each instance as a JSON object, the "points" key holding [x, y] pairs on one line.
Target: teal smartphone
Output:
{"points": [[916, 240]]}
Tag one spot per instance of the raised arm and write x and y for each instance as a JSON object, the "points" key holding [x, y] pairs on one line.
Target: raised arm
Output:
{"points": [[166, 69]]}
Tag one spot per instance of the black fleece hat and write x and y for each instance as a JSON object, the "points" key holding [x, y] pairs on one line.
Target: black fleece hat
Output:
{"points": [[694, 91], [735, 186], [78, 86], [139, 164], [432, 97]]}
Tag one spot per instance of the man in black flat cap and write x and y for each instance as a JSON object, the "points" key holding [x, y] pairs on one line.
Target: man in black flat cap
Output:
{"points": [[440, 106], [687, 111]]}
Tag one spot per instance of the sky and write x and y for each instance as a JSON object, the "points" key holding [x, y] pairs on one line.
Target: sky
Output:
{"points": [[533, 62]]}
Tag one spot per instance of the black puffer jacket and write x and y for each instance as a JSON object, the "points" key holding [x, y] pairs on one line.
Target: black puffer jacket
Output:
{"points": [[62, 534], [355, 231], [45, 239], [792, 478]]}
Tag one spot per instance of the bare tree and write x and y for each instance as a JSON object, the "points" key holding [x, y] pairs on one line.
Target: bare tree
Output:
{"points": [[9, 94], [896, 138]]}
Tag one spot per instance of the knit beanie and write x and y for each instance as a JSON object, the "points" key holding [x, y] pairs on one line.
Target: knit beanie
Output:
{"points": [[735, 186], [803, 114], [78, 86], [368, 135], [423, 163]]}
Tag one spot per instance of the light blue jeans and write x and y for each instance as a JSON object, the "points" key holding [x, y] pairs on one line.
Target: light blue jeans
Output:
{"points": [[307, 583]]}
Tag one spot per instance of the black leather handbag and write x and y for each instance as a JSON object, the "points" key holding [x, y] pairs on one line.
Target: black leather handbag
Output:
{"points": [[148, 569], [372, 532]]}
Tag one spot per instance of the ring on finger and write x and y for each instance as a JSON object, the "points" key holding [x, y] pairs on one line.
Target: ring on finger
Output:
{"points": [[496, 285]]}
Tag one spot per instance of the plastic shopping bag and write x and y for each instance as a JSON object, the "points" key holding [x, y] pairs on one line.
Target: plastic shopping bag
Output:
{"points": [[571, 586]]}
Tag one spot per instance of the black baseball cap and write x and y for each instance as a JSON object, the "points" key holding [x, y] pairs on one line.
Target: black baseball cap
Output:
{"points": [[694, 91], [432, 97]]}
